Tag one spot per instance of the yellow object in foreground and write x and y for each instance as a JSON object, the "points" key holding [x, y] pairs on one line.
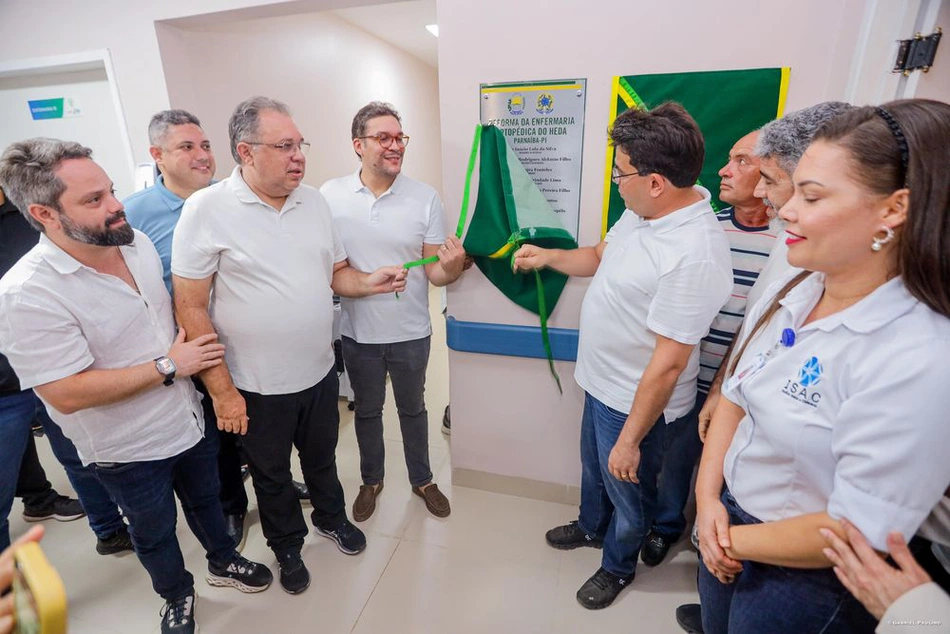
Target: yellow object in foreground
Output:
{"points": [[38, 593]]}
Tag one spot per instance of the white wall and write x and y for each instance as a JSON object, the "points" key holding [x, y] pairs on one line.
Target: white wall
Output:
{"points": [[507, 415], [31, 29], [324, 68], [97, 127]]}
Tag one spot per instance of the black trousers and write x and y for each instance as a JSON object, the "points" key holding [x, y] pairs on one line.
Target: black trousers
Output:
{"points": [[310, 421], [233, 495], [32, 484]]}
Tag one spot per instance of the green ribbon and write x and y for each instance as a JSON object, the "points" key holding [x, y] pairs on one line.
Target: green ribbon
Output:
{"points": [[466, 194], [515, 240]]}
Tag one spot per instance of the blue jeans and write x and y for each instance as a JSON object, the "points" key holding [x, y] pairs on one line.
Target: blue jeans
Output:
{"points": [[405, 362], [776, 599], [146, 492], [17, 413], [618, 512], [683, 449]]}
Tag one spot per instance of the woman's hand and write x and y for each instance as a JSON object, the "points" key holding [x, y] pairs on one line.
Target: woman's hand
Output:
{"points": [[712, 521]]}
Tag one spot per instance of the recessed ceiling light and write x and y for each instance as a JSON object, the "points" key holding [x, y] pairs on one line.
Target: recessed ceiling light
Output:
{"points": [[433, 29]]}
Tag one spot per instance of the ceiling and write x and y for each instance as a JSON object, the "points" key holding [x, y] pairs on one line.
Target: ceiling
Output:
{"points": [[401, 24]]}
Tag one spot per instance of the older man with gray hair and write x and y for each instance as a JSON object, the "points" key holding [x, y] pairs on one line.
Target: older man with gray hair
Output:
{"points": [[780, 146], [256, 259]]}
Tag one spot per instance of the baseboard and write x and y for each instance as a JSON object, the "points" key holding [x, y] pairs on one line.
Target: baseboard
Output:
{"points": [[512, 485]]}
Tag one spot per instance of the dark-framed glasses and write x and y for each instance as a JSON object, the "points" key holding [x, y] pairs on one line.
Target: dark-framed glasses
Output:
{"points": [[386, 140], [616, 176]]}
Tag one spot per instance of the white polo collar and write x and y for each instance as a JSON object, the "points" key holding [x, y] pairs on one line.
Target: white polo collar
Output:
{"points": [[245, 194], [885, 304], [681, 216]]}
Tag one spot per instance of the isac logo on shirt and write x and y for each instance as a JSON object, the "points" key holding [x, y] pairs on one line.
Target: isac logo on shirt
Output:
{"points": [[803, 390]]}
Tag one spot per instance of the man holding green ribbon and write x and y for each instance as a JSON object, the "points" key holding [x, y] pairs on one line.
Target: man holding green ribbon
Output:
{"points": [[660, 276], [383, 216]]}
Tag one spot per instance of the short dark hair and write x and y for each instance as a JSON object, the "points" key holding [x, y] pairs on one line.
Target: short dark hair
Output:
{"points": [[921, 133], [665, 140], [161, 122], [370, 111], [28, 173]]}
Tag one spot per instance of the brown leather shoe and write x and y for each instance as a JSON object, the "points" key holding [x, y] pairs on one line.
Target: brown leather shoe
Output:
{"points": [[365, 502], [436, 501]]}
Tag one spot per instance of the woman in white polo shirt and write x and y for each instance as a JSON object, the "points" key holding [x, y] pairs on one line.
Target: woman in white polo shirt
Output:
{"points": [[837, 405]]}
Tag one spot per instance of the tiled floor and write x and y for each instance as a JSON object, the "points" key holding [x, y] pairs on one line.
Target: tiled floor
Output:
{"points": [[484, 569]]}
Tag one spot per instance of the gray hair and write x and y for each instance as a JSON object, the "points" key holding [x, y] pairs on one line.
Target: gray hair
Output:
{"points": [[370, 111], [28, 173], [244, 121], [786, 139], [160, 123]]}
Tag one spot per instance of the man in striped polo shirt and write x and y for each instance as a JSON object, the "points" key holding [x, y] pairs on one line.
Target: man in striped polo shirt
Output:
{"points": [[746, 224]]}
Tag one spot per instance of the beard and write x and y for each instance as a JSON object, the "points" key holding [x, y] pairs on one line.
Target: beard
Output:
{"points": [[104, 237]]}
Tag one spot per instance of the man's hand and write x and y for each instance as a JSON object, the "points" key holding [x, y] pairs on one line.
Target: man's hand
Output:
{"points": [[231, 412], [624, 460], [387, 279], [873, 581], [7, 570], [530, 258], [191, 357], [706, 413], [452, 257]]}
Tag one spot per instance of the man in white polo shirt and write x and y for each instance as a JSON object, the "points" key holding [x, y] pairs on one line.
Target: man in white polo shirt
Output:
{"points": [[660, 276], [85, 321], [266, 247], [384, 216]]}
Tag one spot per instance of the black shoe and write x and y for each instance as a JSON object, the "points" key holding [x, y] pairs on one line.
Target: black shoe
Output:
{"points": [[294, 577], [571, 536], [303, 493], [245, 473], [38, 431], [348, 538], [234, 523], [120, 542], [447, 421], [655, 548], [690, 617], [178, 616], [600, 590], [60, 508], [246, 576]]}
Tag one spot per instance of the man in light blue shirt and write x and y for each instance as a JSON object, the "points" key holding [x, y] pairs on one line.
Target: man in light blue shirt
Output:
{"points": [[183, 155]]}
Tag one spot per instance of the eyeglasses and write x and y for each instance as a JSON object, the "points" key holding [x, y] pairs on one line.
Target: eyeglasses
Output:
{"points": [[387, 140], [616, 176], [285, 147]]}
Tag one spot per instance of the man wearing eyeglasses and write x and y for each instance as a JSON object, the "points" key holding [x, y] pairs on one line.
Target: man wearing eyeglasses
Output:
{"points": [[384, 216], [254, 258], [660, 276]]}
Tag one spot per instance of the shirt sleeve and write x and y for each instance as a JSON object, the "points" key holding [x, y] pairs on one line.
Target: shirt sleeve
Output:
{"points": [[41, 339], [687, 300], [435, 232], [890, 440], [193, 255]]}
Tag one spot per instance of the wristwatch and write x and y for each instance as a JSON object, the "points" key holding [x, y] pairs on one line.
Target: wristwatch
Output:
{"points": [[166, 367]]}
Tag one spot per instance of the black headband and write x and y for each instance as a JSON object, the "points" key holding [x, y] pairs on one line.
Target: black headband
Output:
{"points": [[898, 136]]}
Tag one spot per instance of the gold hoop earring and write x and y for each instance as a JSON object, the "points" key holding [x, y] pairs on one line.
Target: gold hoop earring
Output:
{"points": [[878, 243]]}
